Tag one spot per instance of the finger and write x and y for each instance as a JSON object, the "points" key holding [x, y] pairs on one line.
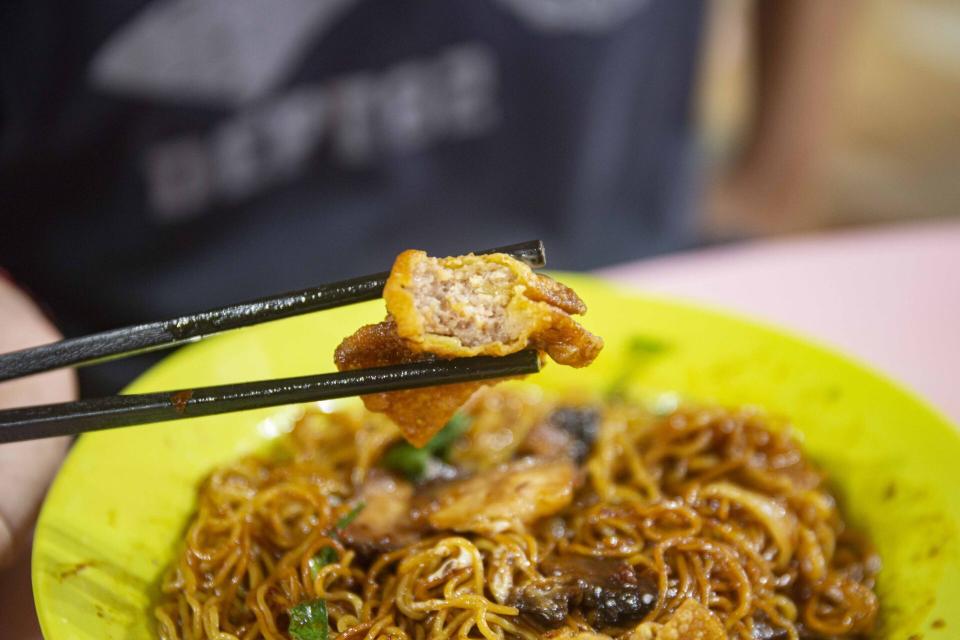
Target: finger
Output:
{"points": [[26, 468]]}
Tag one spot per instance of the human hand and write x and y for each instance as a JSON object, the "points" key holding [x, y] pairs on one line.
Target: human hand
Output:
{"points": [[26, 468]]}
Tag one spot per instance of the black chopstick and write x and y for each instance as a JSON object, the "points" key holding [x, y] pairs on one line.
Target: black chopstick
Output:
{"points": [[152, 336], [71, 418]]}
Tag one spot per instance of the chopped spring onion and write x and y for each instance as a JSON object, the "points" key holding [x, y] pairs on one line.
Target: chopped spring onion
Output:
{"points": [[350, 516], [414, 463], [309, 621], [328, 555]]}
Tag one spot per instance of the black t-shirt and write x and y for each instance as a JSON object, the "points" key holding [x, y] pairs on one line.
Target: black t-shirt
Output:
{"points": [[161, 157]]}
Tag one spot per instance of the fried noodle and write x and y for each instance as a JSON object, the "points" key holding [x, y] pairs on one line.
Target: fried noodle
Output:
{"points": [[712, 505]]}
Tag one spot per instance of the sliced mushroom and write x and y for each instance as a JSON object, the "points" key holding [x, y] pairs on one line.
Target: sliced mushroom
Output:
{"points": [[608, 592]]}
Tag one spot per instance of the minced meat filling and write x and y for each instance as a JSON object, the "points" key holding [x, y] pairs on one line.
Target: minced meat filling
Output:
{"points": [[468, 303]]}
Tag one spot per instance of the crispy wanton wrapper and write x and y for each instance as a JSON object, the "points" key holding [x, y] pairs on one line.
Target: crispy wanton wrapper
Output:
{"points": [[462, 306], [419, 413]]}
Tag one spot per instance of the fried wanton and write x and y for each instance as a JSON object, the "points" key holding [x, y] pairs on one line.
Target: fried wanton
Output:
{"points": [[463, 306], [490, 305]]}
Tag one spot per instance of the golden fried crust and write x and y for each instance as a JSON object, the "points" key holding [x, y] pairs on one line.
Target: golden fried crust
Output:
{"points": [[375, 345], [567, 342], [399, 301], [545, 289], [419, 413]]}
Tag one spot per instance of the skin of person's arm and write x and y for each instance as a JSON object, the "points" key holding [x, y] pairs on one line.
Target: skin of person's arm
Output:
{"points": [[777, 178], [26, 468]]}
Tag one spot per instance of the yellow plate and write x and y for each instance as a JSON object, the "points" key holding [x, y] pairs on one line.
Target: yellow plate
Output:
{"points": [[113, 517]]}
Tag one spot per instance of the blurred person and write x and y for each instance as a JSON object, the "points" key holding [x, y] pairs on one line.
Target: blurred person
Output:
{"points": [[158, 158], [891, 155], [769, 105]]}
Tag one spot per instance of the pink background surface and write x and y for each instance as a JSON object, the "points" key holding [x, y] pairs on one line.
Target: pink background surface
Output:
{"points": [[889, 297]]}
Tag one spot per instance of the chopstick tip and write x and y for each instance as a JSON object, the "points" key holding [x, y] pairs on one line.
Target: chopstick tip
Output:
{"points": [[540, 254]]}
